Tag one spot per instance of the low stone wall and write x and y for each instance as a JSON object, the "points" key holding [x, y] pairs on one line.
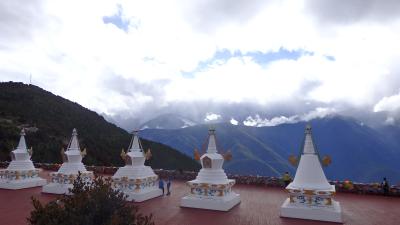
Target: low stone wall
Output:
{"points": [[364, 188], [341, 186]]}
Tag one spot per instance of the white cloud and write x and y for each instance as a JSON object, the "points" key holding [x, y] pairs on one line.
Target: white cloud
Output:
{"points": [[257, 121], [212, 117], [390, 121], [70, 51], [234, 122], [319, 112], [390, 104]]}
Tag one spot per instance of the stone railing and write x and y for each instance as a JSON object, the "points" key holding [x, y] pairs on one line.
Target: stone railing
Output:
{"points": [[364, 188], [341, 186]]}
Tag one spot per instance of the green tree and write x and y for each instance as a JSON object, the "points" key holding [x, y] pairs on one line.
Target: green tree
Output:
{"points": [[94, 203]]}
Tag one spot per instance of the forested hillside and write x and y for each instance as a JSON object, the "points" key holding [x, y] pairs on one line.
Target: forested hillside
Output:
{"points": [[49, 120]]}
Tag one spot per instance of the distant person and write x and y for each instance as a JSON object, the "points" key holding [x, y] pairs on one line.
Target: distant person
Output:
{"points": [[286, 178], [161, 185], [169, 186], [385, 187]]}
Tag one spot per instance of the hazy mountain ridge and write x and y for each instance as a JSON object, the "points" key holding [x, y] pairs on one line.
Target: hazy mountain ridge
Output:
{"points": [[358, 152], [168, 121], [51, 120]]}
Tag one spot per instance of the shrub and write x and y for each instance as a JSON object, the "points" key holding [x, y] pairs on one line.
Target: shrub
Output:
{"points": [[94, 203]]}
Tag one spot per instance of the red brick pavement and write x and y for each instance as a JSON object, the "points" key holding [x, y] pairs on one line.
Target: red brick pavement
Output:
{"points": [[260, 205]]}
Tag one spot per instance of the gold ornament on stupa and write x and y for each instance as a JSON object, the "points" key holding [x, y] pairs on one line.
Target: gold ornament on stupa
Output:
{"points": [[293, 160]]}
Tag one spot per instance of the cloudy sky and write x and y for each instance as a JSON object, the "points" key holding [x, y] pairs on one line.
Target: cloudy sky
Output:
{"points": [[261, 62]]}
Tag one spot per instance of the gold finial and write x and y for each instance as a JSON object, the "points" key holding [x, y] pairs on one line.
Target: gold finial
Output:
{"points": [[83, 153], [148, 154], [293, 160], [228, 155], [196, 155], [123, 155], [326, 160]]}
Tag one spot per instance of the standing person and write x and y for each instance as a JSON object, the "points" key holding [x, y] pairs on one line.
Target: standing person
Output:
{"points": [[385, 187], [161, 185], [168, 186], [286, 178]]}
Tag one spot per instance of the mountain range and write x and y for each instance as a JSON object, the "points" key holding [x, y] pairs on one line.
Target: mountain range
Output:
{"points": [[358, 152], [49, 120]]}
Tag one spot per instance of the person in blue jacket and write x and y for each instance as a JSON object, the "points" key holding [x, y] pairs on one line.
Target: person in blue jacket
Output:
{"points": [[161, 185]]}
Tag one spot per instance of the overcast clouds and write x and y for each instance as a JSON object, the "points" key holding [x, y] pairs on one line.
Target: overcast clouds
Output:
{"points": [[139, 59]]}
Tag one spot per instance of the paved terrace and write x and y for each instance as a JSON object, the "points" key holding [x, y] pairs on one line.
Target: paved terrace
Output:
{"points": [[260, 205]]}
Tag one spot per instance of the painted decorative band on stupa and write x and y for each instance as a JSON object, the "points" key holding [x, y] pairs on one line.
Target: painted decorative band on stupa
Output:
{"points": [[311, 200], [310, 192], [61, 178], [19, 174], [126, 184], [209, 189]]}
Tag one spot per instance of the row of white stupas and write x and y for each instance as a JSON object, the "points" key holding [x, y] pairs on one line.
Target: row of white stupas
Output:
{"points": [[310, 194]]}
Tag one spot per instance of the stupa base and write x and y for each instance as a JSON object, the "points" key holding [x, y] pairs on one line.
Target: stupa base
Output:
{"points": [[57, 188], [24, 183], [220, 204], [143, 195], [330, 214]]}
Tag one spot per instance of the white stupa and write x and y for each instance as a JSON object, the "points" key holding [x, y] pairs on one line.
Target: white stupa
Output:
{"points": [[136, 180], [21, 173], [63, 179], [310, 194], [211, 189]]}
